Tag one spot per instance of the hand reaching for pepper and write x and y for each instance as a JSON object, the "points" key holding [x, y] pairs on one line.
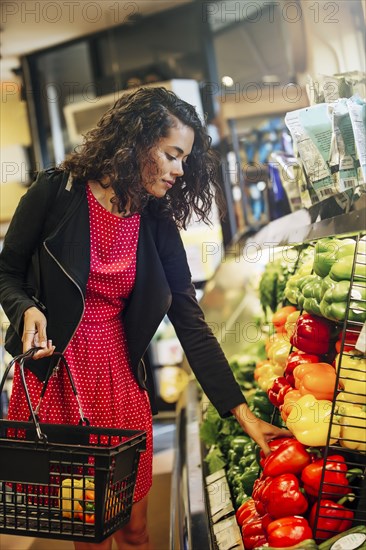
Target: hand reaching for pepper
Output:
{"points": [[259, 430], [35, 335]]}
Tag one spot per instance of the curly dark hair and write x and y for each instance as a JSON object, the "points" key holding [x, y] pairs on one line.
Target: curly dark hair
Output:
{"points": [[124, 138]]}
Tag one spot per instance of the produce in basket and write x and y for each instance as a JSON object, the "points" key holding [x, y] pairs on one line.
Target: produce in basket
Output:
{"points": [[78, 499]]}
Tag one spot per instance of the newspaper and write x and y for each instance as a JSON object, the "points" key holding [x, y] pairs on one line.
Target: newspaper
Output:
{"points": [[311, 130], [357, 112], [344, 160]]}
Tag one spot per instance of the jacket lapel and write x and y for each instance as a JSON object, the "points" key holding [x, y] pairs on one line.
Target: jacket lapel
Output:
{"points": [[70, 241], [151, 297]]}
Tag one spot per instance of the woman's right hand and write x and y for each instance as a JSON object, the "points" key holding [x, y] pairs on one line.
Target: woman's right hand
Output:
{"points": [[35, 335]]}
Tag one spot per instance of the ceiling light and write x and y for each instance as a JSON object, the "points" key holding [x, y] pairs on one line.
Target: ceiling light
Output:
{"points": [[227, 81]]}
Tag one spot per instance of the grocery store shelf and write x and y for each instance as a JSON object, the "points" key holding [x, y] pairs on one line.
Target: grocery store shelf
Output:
{"points": [[298, 228], [189, 518]]}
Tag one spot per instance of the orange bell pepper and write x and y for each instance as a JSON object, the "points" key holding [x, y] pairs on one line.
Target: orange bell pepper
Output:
{"points": [[317, 379], [290, 399], [280, 317]]}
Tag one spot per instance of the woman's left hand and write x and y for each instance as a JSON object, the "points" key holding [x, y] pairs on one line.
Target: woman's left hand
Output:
{"points": [[259, 430]]}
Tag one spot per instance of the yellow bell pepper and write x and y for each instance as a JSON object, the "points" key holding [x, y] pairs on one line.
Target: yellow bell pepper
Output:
{"points": [[278, 353], [353, 425], [352, 378], [73, 497], [266, 373], [309, 421], [291, 323]]}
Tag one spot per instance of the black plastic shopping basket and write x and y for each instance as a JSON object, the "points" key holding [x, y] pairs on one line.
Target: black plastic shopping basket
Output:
{"points": [[65, 482]]}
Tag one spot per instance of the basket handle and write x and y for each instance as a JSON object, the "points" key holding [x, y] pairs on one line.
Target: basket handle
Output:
{"points": [[20, 359], [62, 359]]}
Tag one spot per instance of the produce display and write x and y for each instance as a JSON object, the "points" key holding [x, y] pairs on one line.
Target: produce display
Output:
{"points": [[308, 374]]}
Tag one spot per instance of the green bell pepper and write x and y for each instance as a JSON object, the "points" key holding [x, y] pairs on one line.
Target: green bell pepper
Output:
{"points": [[248, 478], [311, 294], [328, 251], [261, 402], [333, 305], [342, 270], [240, 498], [239, 442], [246, 461], [233, 472], [291, 291]]}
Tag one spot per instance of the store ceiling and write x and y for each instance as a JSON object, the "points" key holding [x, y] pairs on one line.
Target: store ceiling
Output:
{"points": [[27, 25]]}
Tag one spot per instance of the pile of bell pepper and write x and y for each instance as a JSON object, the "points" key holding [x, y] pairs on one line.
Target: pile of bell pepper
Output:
{"points": [[242, 467], [289, 504], [322, 286], [78, 499], [277, 348], [305, 391], [325, 292], [351, 400]]}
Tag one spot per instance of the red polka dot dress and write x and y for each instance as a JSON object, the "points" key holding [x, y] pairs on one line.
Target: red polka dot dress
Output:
{"points": [[98, 354]]}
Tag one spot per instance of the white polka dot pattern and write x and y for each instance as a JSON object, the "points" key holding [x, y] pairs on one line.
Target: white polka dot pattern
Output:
{"points": [[97, 354]]}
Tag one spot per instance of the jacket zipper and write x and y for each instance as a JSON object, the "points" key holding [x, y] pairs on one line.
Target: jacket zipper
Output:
{"points": [[145, 373], [79, 289]]}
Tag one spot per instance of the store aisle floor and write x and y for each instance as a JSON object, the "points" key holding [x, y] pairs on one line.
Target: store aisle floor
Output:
{"points": [[159, 499]]}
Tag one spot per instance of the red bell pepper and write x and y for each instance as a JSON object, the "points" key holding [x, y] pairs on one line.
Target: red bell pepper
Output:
{"points": [[290, 458], [333, 518], [282, 497], [266, 520], [245, 511], [253, 534], [288, 531], [335, 483], [273, 445], [352, 335], [258, 490], [297, 358], [276, 393], [312, 334]]}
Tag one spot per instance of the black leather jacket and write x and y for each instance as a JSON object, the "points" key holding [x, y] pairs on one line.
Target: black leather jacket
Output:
{"points": [[45, 261]]}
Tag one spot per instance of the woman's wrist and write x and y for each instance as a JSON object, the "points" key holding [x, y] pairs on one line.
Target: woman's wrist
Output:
{"points": [[243, 414]]}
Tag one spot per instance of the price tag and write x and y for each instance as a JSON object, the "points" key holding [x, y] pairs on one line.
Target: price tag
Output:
{"points": [[215, 476], [219, 496], [228, 535], [361, 340], [224, 512]]}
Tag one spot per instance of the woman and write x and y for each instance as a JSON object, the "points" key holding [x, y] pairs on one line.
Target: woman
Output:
{"points": [[92, 262]]}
